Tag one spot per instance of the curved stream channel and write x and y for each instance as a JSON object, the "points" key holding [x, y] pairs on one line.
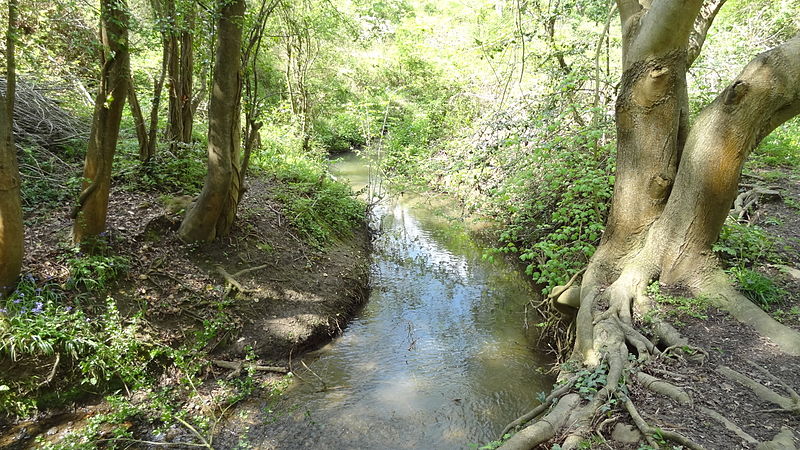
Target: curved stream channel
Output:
{"points": [[440, 356]]}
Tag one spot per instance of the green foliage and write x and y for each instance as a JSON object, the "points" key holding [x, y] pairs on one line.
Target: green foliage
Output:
{"points": [[320, 208], [103, 346], [556, 221], [47, 180], [339, 133], [166, 172], [94, 272], [758, 288], [591, 381], [679, 306], [783, 315], [740, 244], [781, 148]]}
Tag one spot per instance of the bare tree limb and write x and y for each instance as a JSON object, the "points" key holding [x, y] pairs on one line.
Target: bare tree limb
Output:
{"points": [[702, 23]]}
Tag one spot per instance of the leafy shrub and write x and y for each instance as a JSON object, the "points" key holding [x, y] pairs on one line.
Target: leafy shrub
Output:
{"points": [[681, 306], [340, 132], [183, 172], [47, 180], [779, 148], [556, 222], [94, 272]]}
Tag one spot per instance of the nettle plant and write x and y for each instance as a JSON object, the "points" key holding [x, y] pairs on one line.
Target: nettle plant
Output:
{"points": [[562, 214]]}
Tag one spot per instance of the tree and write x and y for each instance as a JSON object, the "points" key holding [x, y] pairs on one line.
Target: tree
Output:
{"points": [[11, 225], [90, 212], [674, 188], [213, 213], [179, 54]]}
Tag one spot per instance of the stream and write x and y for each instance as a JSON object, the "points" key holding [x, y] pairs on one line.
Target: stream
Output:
{"points": [[440, 356]]}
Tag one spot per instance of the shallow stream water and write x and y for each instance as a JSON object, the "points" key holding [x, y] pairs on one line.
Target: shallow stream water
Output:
{"points": [[442, 355]]}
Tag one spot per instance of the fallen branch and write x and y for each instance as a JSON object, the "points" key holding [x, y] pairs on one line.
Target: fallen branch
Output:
{"points": [[231, 281], [238, 366], [52, 372]]}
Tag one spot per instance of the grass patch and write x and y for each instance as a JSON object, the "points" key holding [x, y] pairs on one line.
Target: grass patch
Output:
{"points": [[320, 208], [677, 306]]}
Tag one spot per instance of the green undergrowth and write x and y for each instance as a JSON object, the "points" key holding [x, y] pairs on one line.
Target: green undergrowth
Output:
{"points": [[320, 208], [743, 249], [677, 307], [180, 172], [67, 341], [781, 148], [553, 211]]}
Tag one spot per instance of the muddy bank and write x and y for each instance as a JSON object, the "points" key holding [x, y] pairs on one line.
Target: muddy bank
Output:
{"points": [[262, 294]]}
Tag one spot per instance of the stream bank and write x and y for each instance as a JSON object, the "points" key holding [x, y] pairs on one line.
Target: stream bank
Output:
{"points": [[175, 302]]}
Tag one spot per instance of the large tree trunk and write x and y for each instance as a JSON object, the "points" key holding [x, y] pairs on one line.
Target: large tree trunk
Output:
{"points": [[673, 191], [91, 210], [215, 209], [11, 225]]}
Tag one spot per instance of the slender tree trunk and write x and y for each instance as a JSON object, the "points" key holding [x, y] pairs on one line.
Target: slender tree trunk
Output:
{"points": [[11, 225], [138, 121], [179, 45], [215, 209], [186, 75], [91, 210], [158, 86]]}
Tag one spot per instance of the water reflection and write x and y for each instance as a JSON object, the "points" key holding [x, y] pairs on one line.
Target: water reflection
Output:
{"points": [[439, 358]]}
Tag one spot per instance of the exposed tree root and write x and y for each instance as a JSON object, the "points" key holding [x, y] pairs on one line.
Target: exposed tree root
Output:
{"points": [[729, 425], [790, 404], [782, 441], [545, 428], [664, 388], [749, 199], [649, 431], [536, 412], [719, 290], [233, 284]]}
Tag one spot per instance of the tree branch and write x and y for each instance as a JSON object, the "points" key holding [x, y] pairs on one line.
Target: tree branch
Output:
{"points": [[663, 28], [627, 8], [702, 23]]}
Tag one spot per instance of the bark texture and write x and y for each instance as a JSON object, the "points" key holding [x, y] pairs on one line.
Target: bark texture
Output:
{"points": [[215, 209], [11, 225], [90, 213]]}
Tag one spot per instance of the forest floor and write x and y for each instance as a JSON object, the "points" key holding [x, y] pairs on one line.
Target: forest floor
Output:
{"points": [[259, 297], [726, 343]]}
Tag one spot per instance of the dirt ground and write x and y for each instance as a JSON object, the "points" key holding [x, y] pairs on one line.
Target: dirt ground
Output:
{"points": [[293, 297]]}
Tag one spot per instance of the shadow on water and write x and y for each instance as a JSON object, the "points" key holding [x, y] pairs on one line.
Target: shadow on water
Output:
{"points": [[439, 358]]}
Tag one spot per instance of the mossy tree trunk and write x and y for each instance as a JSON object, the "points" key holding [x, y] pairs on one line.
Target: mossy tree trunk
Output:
{"points": [[673, 190], [213, 213], [91, 210], [11, 225]]}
